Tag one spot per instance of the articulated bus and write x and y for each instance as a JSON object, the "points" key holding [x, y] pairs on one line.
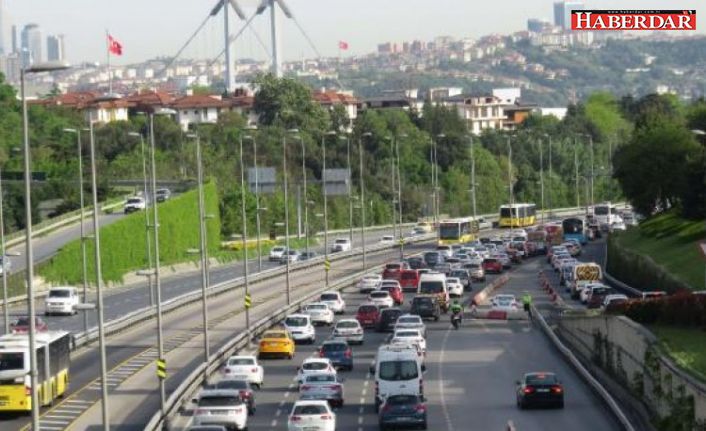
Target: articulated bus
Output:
{"points": [[574, 229], [53, 350], [517, 215], [457, 231]]}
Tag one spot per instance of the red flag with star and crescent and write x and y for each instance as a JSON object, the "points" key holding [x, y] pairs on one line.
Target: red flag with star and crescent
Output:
{"points": [[114, 47]]}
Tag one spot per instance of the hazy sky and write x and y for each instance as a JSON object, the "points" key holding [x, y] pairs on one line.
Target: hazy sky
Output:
{"points": [[150, 28]]}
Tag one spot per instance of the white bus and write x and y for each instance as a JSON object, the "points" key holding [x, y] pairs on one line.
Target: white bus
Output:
{"points": [[606, 213]]}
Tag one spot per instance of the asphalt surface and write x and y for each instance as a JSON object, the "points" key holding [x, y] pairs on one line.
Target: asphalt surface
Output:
{"points": [[469, 382]]}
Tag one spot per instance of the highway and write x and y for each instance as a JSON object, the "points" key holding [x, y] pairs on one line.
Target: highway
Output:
{"points": [[469, 380]]}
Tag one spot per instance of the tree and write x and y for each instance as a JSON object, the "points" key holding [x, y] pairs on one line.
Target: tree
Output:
{"points": [[287, 102]]}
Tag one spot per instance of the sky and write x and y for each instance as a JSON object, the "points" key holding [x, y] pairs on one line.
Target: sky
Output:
{"points": [[152, 28]]}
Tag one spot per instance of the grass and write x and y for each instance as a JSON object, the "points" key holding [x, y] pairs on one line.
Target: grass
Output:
{"points": [[226, 255], [687, 346], [672, 243]]}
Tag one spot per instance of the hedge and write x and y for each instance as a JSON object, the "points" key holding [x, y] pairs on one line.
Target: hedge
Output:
{"points": [[682, 309]]}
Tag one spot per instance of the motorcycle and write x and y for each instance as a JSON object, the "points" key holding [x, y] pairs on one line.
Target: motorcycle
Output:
{"points": [[456, 320]]}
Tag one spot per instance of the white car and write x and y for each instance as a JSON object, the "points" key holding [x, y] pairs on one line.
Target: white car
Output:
{"points": [[618, 225], [245, 368], [319, 313], [614, 298], [504, 302], [314, 415], [315, 365], [369, 282], [341, 244], [455, 287], [381, 298], [276, 253], [387, 239], [5, 264], [300, 327], [409, 335], [334, 301], [350, 330], [411, 321], [222, 407], [587, 291], [134, 203], [61, 300], [504, 259]]}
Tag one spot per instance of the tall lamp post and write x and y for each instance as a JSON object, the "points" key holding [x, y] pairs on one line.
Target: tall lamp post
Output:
{"points": [[148, 242], [245, 234], [323, 190], [362, 195], [84, 270], [513, 210], [37, 68], [702, 135], [347, 137], [391, 139], [5, 311], [258, 209], [541, 175], [399, 190], [435, 181], [473, 177]]}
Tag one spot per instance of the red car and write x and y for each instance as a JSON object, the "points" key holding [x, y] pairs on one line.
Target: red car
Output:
{"points": [[492, 265], [368, 315], [409, 279], [392, 271], [394, 290], [21, 325]]}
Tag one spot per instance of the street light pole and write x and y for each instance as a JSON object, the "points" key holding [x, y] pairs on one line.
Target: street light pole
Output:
{"points": [[541, 175], [437, 199], [323, 190], [399, 191], [148, 243], [286, 213], [350, 199], [392, 183], [509, 179], [6, 311], [590, 140], [550, 175], [306, 194], [257, 203], [473, 176], [576, 171], [245, 236], [362, 196]]}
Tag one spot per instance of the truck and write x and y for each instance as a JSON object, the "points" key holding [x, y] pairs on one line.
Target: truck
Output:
{"points": [[584, 273], [555, 234], [537, 242]]}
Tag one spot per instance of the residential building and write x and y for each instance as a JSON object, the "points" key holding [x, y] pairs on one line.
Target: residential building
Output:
{"points": [[55, 48], [198, 109], [479, 111], [329, 99], [439, 94], [538, 25]]}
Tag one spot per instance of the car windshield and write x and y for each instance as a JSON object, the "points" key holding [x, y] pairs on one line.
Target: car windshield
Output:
{"points": [[134, 201], [329, 297], [232, 384], [334, 347], [11, 361], [406, 334], [315, 366], [296, 321], [241, 361], [431, 287], [381, 294], [408, 320], [541, 379], [341, 241], [219, 401], [320, 378], [390, 314], [347, 324], [398, 370], [316, 307], [307, 410], [392, 266], [62, 293], [367, 309], [275, 335]]}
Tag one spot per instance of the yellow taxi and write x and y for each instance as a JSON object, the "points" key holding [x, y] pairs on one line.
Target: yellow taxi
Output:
{"points": [[276, 342]]}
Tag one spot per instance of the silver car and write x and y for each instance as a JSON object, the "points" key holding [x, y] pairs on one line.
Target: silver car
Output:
{"points": [[322, 386], [349, 329], [221, 407], [411, 321]]}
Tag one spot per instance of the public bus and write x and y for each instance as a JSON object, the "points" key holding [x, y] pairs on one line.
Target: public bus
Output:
{"points": [[517, 215], [574, 228], [605, 213], [53, 359], [457, 231]]}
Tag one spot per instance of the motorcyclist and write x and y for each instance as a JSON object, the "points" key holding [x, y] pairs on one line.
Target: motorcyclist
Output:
{"points": [[457, 310]]}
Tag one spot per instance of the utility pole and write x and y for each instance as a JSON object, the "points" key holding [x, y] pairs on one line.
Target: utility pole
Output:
{"points": [[399, 191], [243, 215], [576, 171], [590, 139], [550, 176], [257, 204], [5, 308], [473, 177], [513, 210], [286, 214], [392, 184], [323, 190], [541, 175], [362, 197], [148, 243], [350, 185]]}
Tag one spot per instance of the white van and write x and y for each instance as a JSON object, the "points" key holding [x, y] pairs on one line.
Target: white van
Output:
{"points": [[434, 283], [445, 250], [61, 300], [397, 371]]}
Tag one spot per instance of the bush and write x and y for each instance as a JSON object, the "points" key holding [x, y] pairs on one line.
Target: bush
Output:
{"points": [[682, 309]]}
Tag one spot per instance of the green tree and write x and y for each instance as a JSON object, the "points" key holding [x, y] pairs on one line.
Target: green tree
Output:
{"points": [[287, 102]]}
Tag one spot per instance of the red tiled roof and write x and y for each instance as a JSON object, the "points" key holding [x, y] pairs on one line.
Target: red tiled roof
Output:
{"points": [[150, 98], [199, 101], [241, 101], [78, 100], [332, 98]]}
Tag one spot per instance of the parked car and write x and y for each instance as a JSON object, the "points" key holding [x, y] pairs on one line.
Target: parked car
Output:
{"points": [[245, 367], [221, 407], [539, 389], [61, 300], [407, 410], [341, 244], [162, 195], [339, 352], [311, 415], [134, 203], [276, 253], [387, 319], [368, 315]]}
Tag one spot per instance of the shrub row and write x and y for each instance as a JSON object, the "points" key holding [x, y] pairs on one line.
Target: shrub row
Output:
{"points": [[681, 309]]}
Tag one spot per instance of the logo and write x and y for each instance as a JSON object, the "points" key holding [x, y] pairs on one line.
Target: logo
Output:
{"points": [[633, 20]]}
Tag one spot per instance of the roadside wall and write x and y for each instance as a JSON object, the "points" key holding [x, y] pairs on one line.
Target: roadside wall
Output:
{"points": [[631, 355]]}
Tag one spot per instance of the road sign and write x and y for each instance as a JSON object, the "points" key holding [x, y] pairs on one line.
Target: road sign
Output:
{"points": [[327, 265], [401, 241], [248, 301], [162, 368]]}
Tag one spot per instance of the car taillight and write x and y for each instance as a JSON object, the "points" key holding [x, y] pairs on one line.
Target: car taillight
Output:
{"points": [[295, 418], [305, 387], [321, 353], [386, 408], [377, 388], [244, 394], [557, 389], [528, 390], [326, 417], [347, 354], [28, 391], [421, 408], [253, 370]]}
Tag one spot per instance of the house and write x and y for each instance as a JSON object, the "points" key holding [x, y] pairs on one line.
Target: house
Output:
{"points": [[329, 99], [98, 108], [147, 100], [198, 109], [479, 111]]}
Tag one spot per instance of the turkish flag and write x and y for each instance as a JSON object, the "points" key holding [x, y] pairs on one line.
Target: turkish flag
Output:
{"points": [[342, 45], [114, 47]]}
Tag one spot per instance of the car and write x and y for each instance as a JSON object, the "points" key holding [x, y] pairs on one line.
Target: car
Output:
{"points": [[426, 307], [416, 262], [398, 370], [289, 255], [463, 276], [244, 367], [307, 255], [435, 284], [409, 336], [341, 244], [585, 293], [350, 330], [455, 287], [476, 270], [381, 298], [315, 365], [334, 301], [393, 288], [300, 327], [387, 239], [409, 279], [443, 268], [540, 389], [596, 297], [339, 352], [425, 226], [311, 415], [392, 270], [445, 250], [134, 203], [433, 258], [368, 315], [21, 325], [618, 225], [61, 300], [504, 259], [613, 300], [276, 253], [244, 389], [418, 231], [221, 407], [5, 264], [493, 265], [322, 386], [504, 302], [319, 312], [403, 411], [411, 321], [369, 283], [387, 319], [162, 195], [276, 342]]}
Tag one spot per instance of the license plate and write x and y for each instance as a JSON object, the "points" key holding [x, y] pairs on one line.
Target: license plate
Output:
{"points": [[240, 377], [311, 428], [543, 390], [273, 344]]}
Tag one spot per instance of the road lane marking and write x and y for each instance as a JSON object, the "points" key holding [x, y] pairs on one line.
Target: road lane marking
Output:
{"points": [[442, 394]]}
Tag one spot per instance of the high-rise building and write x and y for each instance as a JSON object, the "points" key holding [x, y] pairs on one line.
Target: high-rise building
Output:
{"points": [[31, 45], [562, 12], [55, 47], [537, 25], [15, 47], [3, 47]]}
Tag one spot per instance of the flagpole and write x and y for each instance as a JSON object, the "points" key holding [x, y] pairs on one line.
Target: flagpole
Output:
{"points": [[107, 53]]}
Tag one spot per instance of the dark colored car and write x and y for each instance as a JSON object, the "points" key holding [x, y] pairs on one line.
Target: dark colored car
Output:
{"points": [[306, 255], [464, 276], [387, 319], [339, 352], [162, 195], [484, 240], [409, 279], [21, 325], [394, 291], [426, 307], [368, 315], [492, 265], [444, 268], [598, 296], [433, 258], [540, 389], [243, 387], [403, 411], [416, 262]]}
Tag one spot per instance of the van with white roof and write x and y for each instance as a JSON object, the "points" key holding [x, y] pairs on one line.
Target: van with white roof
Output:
{"points": [[397, 371]]}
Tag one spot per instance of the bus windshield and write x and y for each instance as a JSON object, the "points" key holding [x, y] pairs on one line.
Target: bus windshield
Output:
{"points": [[572, 226], [11, 361], [449, 231], [601, 210]]}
